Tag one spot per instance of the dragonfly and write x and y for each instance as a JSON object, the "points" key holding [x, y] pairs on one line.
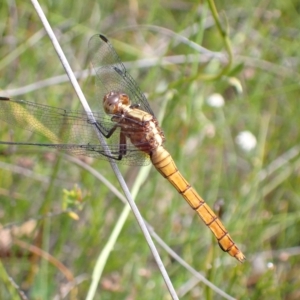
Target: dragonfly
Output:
{"points": [[125, 119]]}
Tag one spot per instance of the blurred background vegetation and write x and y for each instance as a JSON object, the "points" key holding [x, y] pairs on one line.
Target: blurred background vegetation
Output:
{"points": [[242, 152]]}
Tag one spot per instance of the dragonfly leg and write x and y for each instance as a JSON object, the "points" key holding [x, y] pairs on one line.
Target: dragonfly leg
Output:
{"points": [[110, 132], [119, 157], [122, 149], [122, 144]]}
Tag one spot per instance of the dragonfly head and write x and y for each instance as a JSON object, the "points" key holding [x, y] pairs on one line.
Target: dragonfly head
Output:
{"points": [[113, 102]]}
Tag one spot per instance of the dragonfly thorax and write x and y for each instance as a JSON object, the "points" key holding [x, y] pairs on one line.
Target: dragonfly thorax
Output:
{"points": [[114, 101]]}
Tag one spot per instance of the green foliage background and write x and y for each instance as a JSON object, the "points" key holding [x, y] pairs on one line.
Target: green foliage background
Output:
{"points": [[260, 188]]}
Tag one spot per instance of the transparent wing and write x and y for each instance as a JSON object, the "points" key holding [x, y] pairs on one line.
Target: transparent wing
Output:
{"points": [[67, 130], [111, 74]]}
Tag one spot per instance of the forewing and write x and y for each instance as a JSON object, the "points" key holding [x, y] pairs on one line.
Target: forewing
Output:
{"points": [[111, 74]]}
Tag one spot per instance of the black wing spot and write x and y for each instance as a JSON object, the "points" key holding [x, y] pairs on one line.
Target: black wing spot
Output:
{"points": [[118, 71], [103, 38], [4, 98]]}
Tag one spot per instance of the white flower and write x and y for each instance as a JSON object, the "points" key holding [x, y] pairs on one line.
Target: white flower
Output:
{"points": [[215, 100], [246, 140]]}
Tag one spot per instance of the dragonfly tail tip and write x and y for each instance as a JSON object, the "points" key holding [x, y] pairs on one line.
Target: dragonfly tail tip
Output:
{"points": [[240, 257]]}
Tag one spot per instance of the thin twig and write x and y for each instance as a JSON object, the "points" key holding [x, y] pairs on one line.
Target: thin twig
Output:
{"points": [[32, 174], [226, 41], [264, 65], [140, 63], [15, 293]]}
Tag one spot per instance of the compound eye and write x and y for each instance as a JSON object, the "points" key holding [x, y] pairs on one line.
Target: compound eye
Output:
{"points": [[110, 107], [110, 103]]}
